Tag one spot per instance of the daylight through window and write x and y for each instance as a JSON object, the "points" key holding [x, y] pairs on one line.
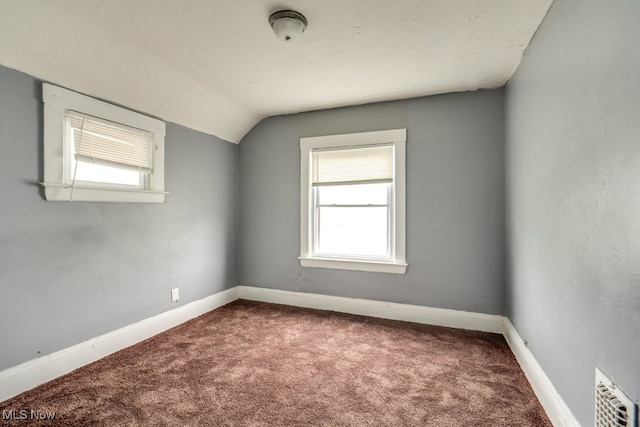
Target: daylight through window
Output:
{"points": [[96, 151], [103, 152], [353, 201]]}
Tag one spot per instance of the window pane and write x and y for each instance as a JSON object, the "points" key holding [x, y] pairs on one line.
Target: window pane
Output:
{"points": [[352, 231], [362, 194], [106, 174]]}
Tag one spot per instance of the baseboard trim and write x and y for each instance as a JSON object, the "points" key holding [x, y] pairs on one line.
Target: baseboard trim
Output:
{"points": [[33, 373], [555, 407], [553, 404], [385, 310], [30, 374]]}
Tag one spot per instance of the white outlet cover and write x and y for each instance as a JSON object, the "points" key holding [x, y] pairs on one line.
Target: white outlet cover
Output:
{"points": [[175, 294]]}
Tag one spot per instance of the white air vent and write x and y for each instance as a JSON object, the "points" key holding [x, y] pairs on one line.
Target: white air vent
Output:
{"points": [[613, 407]]}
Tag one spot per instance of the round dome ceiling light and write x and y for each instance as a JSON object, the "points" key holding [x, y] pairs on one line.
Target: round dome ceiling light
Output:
{"points": [[288, 24]]}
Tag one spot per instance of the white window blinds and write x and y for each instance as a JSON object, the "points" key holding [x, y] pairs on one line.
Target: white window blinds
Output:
{"points": [[352, 165], [109, 143]]}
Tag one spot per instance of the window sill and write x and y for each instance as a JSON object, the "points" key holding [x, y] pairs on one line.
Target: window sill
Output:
{"points": [[357, 265], [62, 193]]}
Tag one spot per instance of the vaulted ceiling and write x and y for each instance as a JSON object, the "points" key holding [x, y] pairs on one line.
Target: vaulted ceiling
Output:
{"points": [[216, 66]]}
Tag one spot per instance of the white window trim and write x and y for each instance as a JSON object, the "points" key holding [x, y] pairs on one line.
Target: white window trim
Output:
{"points": [[396, 136], [56, 102]]}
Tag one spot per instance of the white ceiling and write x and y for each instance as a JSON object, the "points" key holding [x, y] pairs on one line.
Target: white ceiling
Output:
{"points": [[216, 66]]}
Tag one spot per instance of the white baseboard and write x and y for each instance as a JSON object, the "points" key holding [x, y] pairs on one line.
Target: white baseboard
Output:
{"points": [[385, 310], [553, 404], [558, 412], [28, 375]]}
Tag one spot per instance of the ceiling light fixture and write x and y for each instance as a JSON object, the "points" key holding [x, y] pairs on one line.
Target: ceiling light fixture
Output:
{"points": [[288, 24]]}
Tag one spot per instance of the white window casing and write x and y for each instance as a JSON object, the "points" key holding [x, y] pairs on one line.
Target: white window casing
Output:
{"points": [[80, 130], [359, 158]]}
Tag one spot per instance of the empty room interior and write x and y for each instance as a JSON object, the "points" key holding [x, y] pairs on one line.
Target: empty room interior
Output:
{"points": [[305, 188]]}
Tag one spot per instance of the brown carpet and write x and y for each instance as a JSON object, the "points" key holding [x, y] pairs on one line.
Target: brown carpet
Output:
{"points": [[257, 364]]}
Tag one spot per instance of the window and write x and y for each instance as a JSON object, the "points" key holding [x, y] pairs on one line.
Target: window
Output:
{"points": [[353, 201], [96, 151]]}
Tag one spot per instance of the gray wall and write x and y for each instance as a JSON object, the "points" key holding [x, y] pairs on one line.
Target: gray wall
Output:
{"points": [[573, 174], [73, 271], [455, 202]]}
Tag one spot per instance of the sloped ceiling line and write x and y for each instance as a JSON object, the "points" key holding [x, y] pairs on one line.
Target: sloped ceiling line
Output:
{"points": [[215, 66]]}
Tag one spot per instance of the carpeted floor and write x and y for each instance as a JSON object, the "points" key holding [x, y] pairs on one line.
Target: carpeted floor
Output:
{"points": [[258, 364]]}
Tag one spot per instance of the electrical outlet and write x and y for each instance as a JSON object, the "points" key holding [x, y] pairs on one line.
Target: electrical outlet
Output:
{"points": [[175, 294]]}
